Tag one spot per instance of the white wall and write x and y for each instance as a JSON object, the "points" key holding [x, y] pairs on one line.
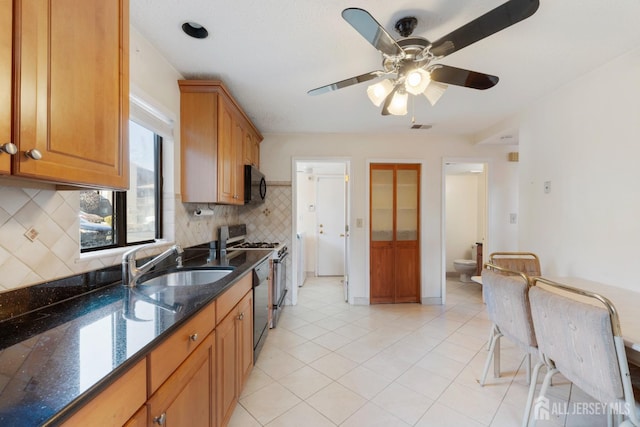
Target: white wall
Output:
{"points": [[585, 140], [276, 154]]}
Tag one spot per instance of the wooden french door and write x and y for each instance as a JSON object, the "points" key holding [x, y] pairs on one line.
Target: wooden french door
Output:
{"points": [[394, 233]]}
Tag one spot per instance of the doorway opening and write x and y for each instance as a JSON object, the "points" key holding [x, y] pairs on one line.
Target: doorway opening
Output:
{"points": [[321, 204], [465, 218]]}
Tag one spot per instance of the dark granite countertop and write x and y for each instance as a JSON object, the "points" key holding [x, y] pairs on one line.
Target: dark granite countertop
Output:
{"points": [[57, 356]]}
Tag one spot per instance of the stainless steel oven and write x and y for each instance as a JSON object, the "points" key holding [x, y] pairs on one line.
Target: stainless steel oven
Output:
{"points": [[260, 306], [279, 263], [232, 238]]}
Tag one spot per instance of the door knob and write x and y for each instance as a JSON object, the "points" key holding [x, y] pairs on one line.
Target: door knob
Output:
{"points": [[321, 232], [341, 235]]}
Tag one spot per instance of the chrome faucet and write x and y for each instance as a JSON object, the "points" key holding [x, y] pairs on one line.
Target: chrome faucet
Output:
{"points": [[132, 296], [130, 270]]}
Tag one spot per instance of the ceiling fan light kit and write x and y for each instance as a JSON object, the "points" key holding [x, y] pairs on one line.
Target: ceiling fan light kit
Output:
{"points": [[408, 63], [398, 105], [378, 92]]}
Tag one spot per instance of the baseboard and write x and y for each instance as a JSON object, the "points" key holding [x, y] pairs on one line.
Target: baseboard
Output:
{"points": [[432, 301], [452, 274], [360, 301]]}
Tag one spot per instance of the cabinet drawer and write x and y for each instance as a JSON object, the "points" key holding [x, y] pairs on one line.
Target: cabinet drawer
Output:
{"points": [[232, 296], [165, 358], [115, 405]]}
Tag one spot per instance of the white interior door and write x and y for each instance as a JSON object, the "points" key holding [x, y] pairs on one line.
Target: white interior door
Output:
{"points": [[330, 223]]}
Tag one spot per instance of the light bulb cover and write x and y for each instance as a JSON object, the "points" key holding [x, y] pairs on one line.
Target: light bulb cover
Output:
{"points": [[417, 81], [434, 91], [398, 105], [378, 92]]}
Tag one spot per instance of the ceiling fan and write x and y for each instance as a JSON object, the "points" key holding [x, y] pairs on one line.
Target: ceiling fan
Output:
{"points": [[408, 63]]}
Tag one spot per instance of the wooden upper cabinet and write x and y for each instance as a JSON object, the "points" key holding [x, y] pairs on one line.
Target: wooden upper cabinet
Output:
{"points": [[213, 129], [6, 36], [71, 91], [251, 149]]}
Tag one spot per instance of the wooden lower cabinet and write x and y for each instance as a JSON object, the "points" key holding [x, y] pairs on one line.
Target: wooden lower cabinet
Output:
{"points": [[139, 419], [234, 356], [186, 398], [193, 378], [117, 403]]}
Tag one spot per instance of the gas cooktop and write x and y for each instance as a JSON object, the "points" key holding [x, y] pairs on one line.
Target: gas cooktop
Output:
{"points": [[257, 245]]}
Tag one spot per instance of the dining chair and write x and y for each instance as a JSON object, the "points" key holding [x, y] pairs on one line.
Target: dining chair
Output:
{"points": [[578, 334], [525, 262], [507, 299]]}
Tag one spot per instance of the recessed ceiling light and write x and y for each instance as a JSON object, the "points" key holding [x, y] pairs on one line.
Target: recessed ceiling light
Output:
{"points": [[195, 30]]}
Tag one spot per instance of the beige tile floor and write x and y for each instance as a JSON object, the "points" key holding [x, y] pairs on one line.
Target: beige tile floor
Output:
{"points": [[328, 364]]}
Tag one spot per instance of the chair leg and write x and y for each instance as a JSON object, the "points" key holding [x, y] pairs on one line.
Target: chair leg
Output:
{"points": [[495, 339], [491, 333], [532, 389], [496, 359], [543, 390], [528, 367]]}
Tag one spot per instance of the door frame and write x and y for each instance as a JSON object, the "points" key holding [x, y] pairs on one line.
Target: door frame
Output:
{"points": [[443, 215], [294, 227]]}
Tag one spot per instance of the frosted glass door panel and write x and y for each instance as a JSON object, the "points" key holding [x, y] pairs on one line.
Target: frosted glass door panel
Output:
{"points": [[382, 205], [407, 214]]}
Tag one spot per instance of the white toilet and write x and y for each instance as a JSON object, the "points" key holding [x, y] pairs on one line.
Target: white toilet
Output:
{"points": [[467, 267]]}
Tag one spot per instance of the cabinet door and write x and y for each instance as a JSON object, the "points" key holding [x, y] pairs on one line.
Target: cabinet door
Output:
{"points": [[245, 338], [139, 419], [238, 164], [72, 67], [226, 154], [251, 148], [198, 146], [186, 398], [6, 37], [226, 368], [247, 148]]}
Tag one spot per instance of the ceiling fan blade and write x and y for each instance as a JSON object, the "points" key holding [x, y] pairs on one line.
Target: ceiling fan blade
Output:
{"points": [[490, 23], [372, 31], [346, 82], [459, 77], [387, 101]]}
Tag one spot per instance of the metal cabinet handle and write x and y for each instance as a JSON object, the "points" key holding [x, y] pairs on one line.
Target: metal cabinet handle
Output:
{"points": [[160, 420], [193, 337], [34, 154], [241, 316], [9, 148]]}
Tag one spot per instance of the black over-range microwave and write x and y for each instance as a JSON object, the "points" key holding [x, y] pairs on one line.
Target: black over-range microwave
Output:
{"points": [[255, 185]]}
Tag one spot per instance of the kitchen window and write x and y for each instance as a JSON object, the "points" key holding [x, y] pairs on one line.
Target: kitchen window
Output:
{"points": [[110, 219]]}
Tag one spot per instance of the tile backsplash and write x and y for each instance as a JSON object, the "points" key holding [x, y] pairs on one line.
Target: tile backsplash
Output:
{"points": [[272, 220], [55, 252]]}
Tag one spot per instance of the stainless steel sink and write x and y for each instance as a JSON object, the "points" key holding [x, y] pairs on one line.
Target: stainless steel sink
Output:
{"points": [[187, 278]]}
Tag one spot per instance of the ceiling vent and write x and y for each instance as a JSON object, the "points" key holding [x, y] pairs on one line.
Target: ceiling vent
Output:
{"points": [[421, 126]]}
